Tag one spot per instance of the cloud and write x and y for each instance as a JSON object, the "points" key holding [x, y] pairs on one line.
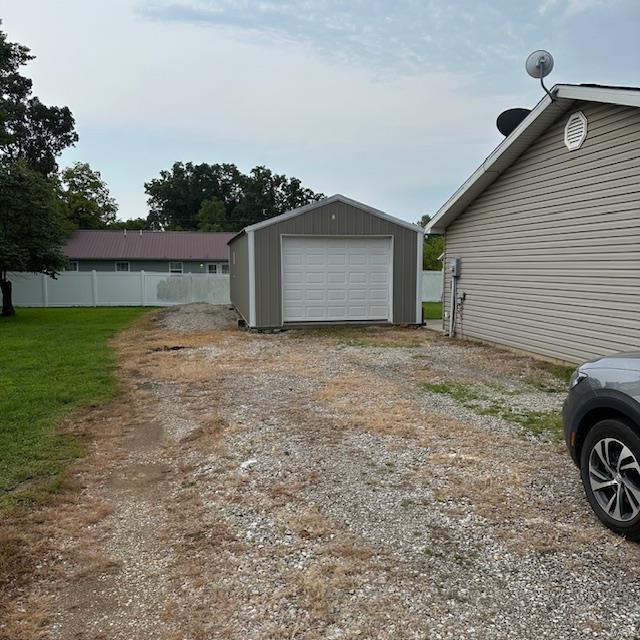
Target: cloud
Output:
{"points": [[407, 36], [571, 7], [391, 103]]}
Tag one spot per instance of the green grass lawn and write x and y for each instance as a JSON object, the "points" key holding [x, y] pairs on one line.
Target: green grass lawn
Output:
{"points": [[432, 310], [52, 361]]}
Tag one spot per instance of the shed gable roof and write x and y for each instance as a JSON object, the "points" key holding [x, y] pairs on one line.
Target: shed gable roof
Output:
{"points": [[526, 133], [321, 203]]}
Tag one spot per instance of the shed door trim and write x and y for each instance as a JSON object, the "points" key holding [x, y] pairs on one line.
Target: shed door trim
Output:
{"points": [[420, 252], [365, 316], [251, 250]]}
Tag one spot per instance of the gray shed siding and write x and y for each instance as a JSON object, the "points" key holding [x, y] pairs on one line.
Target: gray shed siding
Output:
{"points": [[550, 252], [155, 266], [349, 220], [239, 274]]}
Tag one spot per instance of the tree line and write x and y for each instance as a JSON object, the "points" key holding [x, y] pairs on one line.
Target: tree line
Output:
{"points": [[41, 204]]}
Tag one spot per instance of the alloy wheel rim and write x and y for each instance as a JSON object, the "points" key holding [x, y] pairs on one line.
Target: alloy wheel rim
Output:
{"points": [[614, 477]]}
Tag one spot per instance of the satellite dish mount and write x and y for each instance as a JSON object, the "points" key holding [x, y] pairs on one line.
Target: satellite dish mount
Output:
{"points": [[539, 65]]}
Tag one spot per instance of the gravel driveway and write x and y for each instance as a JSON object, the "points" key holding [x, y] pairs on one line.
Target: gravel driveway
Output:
{"points": [[338, 483]]}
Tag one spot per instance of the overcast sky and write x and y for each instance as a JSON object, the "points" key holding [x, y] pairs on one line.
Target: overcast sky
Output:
{"points": [[389, 102]]}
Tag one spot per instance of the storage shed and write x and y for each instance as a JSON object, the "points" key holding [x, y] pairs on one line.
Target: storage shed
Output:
{"points": [[542, 242], [332, 261]]}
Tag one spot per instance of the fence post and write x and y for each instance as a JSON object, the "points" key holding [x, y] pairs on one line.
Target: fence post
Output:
{"points": [[190, 286], [142, 288], [45, 292], [94, 288]]}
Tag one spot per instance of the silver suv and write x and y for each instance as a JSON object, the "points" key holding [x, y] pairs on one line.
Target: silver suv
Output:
{"points": [[602, 431]]}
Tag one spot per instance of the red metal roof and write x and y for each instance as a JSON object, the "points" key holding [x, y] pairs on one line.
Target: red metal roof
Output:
{"points": [[148, 245]]}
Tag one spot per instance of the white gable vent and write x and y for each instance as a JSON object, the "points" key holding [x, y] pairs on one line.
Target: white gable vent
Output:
{"points": [[575, 131]]}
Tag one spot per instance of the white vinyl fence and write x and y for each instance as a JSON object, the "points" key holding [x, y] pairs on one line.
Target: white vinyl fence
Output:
{"points": [[141, 288], [106, 289], [431, 286]]}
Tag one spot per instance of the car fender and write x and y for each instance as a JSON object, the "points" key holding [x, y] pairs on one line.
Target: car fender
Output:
{"points": [[604, 400]]}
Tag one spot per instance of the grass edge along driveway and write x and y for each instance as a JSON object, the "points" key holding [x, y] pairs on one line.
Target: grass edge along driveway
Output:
{"points": [[52, 362]]}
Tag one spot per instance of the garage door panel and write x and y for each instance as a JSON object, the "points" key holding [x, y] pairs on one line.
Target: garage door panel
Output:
{"points": [[293, 259], [336, 311], [316, 260], [316, 277], [334, 279], [293, 277], [378, 295], [336, 259], [294, 295], [318, 311], [357, 278], [379, 260], [338, 277], [336, 294], [357, 295], [378, 311], [357, 311], [316, 296], [296, 310], [381, 279]]}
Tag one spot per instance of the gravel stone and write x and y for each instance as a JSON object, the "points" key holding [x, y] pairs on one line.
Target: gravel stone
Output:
{"points": [[312, 488]]}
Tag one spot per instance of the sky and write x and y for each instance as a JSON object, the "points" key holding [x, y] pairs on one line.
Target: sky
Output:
{"points": [[392, 103]]}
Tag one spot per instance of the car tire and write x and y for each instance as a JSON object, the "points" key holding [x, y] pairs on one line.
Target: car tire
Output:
{"points": [[610, 470]]}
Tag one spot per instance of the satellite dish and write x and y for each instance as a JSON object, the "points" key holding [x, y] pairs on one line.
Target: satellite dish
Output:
{"points": [[539, 64], [508, 120]]}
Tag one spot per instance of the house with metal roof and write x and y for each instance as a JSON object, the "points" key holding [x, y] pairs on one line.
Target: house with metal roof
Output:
{"points": [[172, 252], [542, 242]]}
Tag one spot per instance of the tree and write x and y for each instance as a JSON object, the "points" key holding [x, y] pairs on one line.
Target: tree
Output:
{"points": [[31, 136], [134, 224], [29, 130], [86, 196], [211, 216], [176, 198], [432, 249], [431, 252], [32, 226]]}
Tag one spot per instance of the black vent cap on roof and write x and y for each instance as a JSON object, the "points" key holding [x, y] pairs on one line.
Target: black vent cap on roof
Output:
{"points": [[508, 120]]}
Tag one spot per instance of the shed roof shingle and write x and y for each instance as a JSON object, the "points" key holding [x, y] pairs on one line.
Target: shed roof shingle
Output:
{"points": [[148, 245]]}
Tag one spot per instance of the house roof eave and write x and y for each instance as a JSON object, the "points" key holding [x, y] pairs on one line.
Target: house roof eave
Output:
{"points": [[508, 151]]}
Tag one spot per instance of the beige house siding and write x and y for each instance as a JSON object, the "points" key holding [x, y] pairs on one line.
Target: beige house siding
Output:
{"points": [[239, 274], [550, 252]]}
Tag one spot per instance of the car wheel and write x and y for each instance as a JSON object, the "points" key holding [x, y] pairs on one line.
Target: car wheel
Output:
{"points": [[610, 469]]}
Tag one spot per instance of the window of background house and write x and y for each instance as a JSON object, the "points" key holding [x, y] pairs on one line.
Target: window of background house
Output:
{"points": [[212, 268], [175, 267], [73, 266], [122, 266], [224, 268]]}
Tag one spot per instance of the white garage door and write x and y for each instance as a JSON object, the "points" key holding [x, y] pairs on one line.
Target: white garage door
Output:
{"points": [[328, 279]]}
